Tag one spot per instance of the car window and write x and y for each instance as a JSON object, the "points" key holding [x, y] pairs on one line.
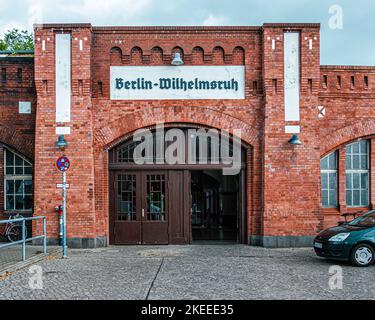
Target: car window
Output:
{"points": [[367, 220]]}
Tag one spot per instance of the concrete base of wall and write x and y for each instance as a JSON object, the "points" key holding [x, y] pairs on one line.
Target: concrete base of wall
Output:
{"points": [[259, 241], [281, 242], [78, 243]]}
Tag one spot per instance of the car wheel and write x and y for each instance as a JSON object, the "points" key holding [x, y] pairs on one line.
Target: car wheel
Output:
{"points": [[363, 255]]}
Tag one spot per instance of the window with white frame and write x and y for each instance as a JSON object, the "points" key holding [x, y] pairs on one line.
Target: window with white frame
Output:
{"points": [[328, 168], [357, 174], [18, 182]]}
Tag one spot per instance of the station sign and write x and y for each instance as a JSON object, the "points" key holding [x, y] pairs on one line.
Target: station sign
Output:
{"points": [[175, 83]]}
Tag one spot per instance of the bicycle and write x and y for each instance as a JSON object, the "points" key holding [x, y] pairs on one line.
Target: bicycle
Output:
{"points": [[13, 230]]}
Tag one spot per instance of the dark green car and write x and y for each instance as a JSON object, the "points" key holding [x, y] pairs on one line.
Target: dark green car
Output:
{"points": [[353, 241]]}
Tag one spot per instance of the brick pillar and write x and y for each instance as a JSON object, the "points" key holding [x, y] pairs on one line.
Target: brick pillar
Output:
{"points": [[292, 210], [81, 221], [45, 193]]}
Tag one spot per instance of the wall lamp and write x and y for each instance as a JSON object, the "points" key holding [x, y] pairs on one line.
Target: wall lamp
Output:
{"points": [[61, 143], [295, 141], [177, 60]]}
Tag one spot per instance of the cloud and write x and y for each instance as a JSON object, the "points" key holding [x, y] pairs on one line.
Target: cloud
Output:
{"points": [[352, 45], [11, 25], [90, 8], [213, 20], [24, 13]]}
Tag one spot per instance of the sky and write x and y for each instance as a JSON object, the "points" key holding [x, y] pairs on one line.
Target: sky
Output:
{"points": [[347, 34]]}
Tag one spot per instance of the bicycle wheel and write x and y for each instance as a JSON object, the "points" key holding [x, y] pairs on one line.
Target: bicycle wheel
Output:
{"points": [[15, 233]]}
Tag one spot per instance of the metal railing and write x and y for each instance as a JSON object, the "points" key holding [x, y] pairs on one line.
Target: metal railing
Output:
{"points": [[22, 221]]}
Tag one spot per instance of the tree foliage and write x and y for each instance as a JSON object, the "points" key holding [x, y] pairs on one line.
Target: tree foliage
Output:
{"points": [[15, 40], [3, 45]]}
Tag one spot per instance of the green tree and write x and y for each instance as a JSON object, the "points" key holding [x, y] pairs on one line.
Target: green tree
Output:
{"points": [[16, 40], [3, 45]]}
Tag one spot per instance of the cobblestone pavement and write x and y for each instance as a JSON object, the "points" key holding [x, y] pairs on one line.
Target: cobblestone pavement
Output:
{"points": [[12, 255], [190, 272]]}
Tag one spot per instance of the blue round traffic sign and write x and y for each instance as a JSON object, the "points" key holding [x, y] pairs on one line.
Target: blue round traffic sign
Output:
{"points": [[63, 164]]}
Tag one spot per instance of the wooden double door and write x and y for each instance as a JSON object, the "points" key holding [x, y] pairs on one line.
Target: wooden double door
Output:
{"points": [[150, 207]]}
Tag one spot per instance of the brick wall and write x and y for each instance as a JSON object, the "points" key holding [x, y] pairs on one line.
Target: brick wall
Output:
{"points": [[81, 218], [148, 46], [347, 95], [17, 130], [283, 182]]}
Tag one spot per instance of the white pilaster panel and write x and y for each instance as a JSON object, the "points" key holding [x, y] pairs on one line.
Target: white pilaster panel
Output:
{"points": [[292, 76], [63, 77]]}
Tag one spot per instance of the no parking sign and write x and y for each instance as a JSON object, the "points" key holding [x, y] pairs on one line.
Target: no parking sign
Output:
{"points": [[63, 164]]}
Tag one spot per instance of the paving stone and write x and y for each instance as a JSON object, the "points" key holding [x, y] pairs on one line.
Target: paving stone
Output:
{"points": [[190, 272]]}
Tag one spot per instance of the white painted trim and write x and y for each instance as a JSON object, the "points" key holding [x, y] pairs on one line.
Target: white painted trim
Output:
{"points": [[293, 129], [24, 107], [63, 130]]}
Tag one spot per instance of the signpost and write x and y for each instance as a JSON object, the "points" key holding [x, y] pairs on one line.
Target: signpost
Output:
{"points": [[63, 165]]}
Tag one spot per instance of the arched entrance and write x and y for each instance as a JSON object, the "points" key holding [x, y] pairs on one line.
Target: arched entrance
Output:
{"points": [[196, 198]]}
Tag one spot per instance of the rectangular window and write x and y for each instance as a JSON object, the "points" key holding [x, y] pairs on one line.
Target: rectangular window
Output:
{"points": [[18, 183], [357, 174], [328, 167]]}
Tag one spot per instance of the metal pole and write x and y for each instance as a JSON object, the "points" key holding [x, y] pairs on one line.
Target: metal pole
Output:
{"points": [[24, 240], [64, 214], [45, 235]]}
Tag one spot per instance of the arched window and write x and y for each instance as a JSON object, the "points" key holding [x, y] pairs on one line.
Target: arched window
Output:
{"points": [[357, 174], [328, 167], [198, 146], [18, 189]]}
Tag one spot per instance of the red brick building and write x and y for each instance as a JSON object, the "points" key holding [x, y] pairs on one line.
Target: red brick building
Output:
{"points": [[283, 195]]}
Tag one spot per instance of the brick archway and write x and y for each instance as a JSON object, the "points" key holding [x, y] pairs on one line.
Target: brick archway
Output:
{"points": [[115, 131], [347, 134], [120, 130], [13, 139]]}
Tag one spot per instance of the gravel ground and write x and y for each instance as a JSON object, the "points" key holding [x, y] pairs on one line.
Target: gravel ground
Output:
{"points": [[191, 272]]}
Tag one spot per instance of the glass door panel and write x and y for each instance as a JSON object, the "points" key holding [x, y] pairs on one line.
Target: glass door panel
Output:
{"points": [[154, 208], [126, 197], [155, 196], [127, 215]]}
